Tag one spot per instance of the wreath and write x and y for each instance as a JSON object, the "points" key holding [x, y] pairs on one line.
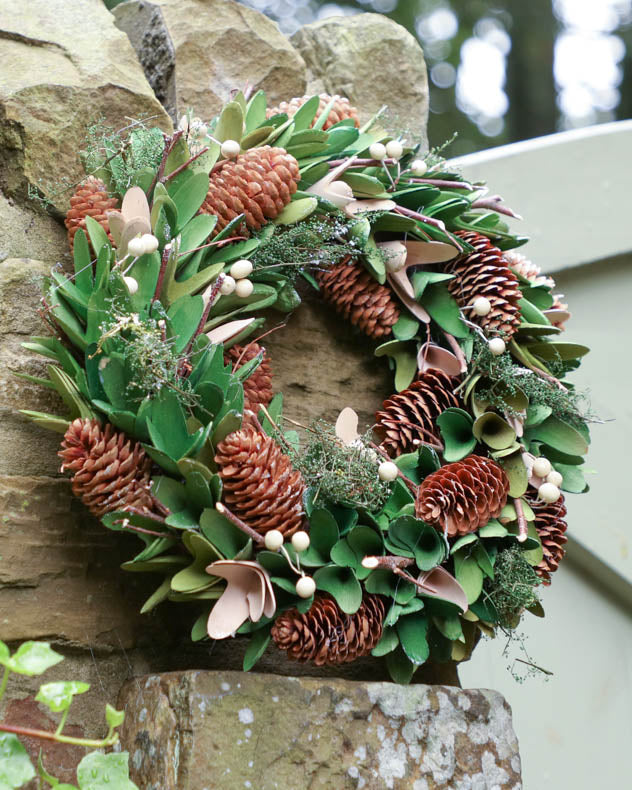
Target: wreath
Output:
{"points": [[409, 540]]}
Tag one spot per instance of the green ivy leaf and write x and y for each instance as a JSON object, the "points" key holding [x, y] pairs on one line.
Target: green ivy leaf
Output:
{"points": [[412, 631], [114, 717], [15, 765], [400, 667], [456, 429], [31, 658], [324, 534], [342, 584], [105, 772], [58, 696], [388, 642]]}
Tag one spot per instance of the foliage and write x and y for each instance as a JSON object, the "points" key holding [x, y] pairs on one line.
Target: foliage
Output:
{"points": [[95, 769], [513, 587]]}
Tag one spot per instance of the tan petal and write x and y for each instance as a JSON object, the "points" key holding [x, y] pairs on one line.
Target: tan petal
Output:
{"points": [[116, 223], [403, 288], [422, 252], [347, 425], [227, 331], [438, 583], [135, 205], [132, 228], [432, 356]]}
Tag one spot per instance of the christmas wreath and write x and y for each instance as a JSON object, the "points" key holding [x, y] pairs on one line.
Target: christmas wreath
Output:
{"points": [[407, 541]]}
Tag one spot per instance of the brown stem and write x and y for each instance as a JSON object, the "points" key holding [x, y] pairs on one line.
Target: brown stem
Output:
{"points": [[161, 274], [406, 212], [494, 203], [439, 182], [522, 521], [224, 511], [53, 736], [178, 170], [458, 352], [219, 243], [169, 146], [211, 301], [421, 584], [390, 561], [124, 522]]}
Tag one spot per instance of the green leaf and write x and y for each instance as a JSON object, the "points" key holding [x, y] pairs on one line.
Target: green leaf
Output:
{"points": [[456, 429], [517, 473], [306, 113], [468, 574], [58, 696], [400, 667], [297, 211], [342, 584], [105, 772], [483, 559], [257, 645], [573, 478], [559, 435], [533, 556], [465, 540], [444, 310], [114, 717], [421, 279], [16, 768], [383, 582], [405, 362], [412, 631], [98, 237], [495, 432], [406, 327], [190, 196], [230, 125], [558, 350], [256, 110], [493, 529], [32, 658], [83, 263], [388, 642], [228, 539], [324, 534], [194, 577], [414, 538]]}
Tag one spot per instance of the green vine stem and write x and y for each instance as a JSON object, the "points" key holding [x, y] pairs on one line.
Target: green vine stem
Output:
{"points": [[110, 739]]}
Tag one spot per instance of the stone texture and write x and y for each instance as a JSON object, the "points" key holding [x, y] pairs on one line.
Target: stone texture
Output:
{"points": [[197, 730], [25, 232], [195, 52], [372, 60], [63, 67]]}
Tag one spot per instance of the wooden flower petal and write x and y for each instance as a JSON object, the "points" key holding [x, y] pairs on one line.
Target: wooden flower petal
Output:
{"points": [[135, 205], [438, 583], [133, 227], [431, 355], [227, 331], [248, 594], [422, 252], [347, 425], [116, 224], [403, 288]]}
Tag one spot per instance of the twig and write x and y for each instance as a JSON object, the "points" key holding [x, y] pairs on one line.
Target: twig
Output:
{"points": [[494, 203], [124, 522], [535, 666], [391, 562], [224, 511], [522, 521], [161, 274], [406, 212], [52, 736], [219, 243], [439, 182], [170, 143], [178, 170], [207, 309]]}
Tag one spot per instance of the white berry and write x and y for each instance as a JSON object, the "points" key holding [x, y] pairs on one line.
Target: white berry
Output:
{"points": [[199, 130], [241, 269], [136, 247], [273, 540], [497, 346], [150, 242], [243, 288], [305, 587], [230, 149], [394, 149], [549, 493], [228, 285], [481, 306], [541, 467], [300, 541], [132, 284], [418, 167], [387, 471], [555, 478], [377, 151]]}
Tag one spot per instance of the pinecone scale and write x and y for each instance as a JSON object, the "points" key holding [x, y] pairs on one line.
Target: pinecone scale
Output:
{"points": [[551, 528], [258, 386], [326, 635], [341, 109], [90, 199]]}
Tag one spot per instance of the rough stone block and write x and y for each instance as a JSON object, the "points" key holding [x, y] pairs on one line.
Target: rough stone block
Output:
{"points": [[195, 52], [372, 60], [201, 730], [63, 67], [26, 233]]}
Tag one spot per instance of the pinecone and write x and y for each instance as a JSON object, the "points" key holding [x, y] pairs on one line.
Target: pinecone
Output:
{"points": [[258, 183], [110, 471], [463, 496], [550, 526], [340, 111], [326, 635], [90, 199], [407, 418], [358, 297], [257, 389], [485, 272], [260, 485]]}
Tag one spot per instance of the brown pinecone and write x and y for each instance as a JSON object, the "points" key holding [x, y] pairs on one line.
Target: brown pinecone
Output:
{"points": [[326, 635], [340, 111], [407, 419], [90, 199], [485, 272], [257, 387], [260, 485], [258, 183], [463, 496], [359, 298], [550, 526], [110, 471]]}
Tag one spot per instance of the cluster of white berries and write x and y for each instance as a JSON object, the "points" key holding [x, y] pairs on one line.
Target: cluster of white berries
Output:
{"points": [[237, 281], [305, 586], [481, 306], [549, 491], [142, 245], [392, 150]]}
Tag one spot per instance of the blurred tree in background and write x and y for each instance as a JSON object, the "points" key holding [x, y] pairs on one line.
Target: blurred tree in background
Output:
{"points": [[504, 70]]}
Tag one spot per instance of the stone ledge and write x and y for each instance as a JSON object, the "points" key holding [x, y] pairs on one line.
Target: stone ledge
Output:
{"points": [[197, 730]]}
